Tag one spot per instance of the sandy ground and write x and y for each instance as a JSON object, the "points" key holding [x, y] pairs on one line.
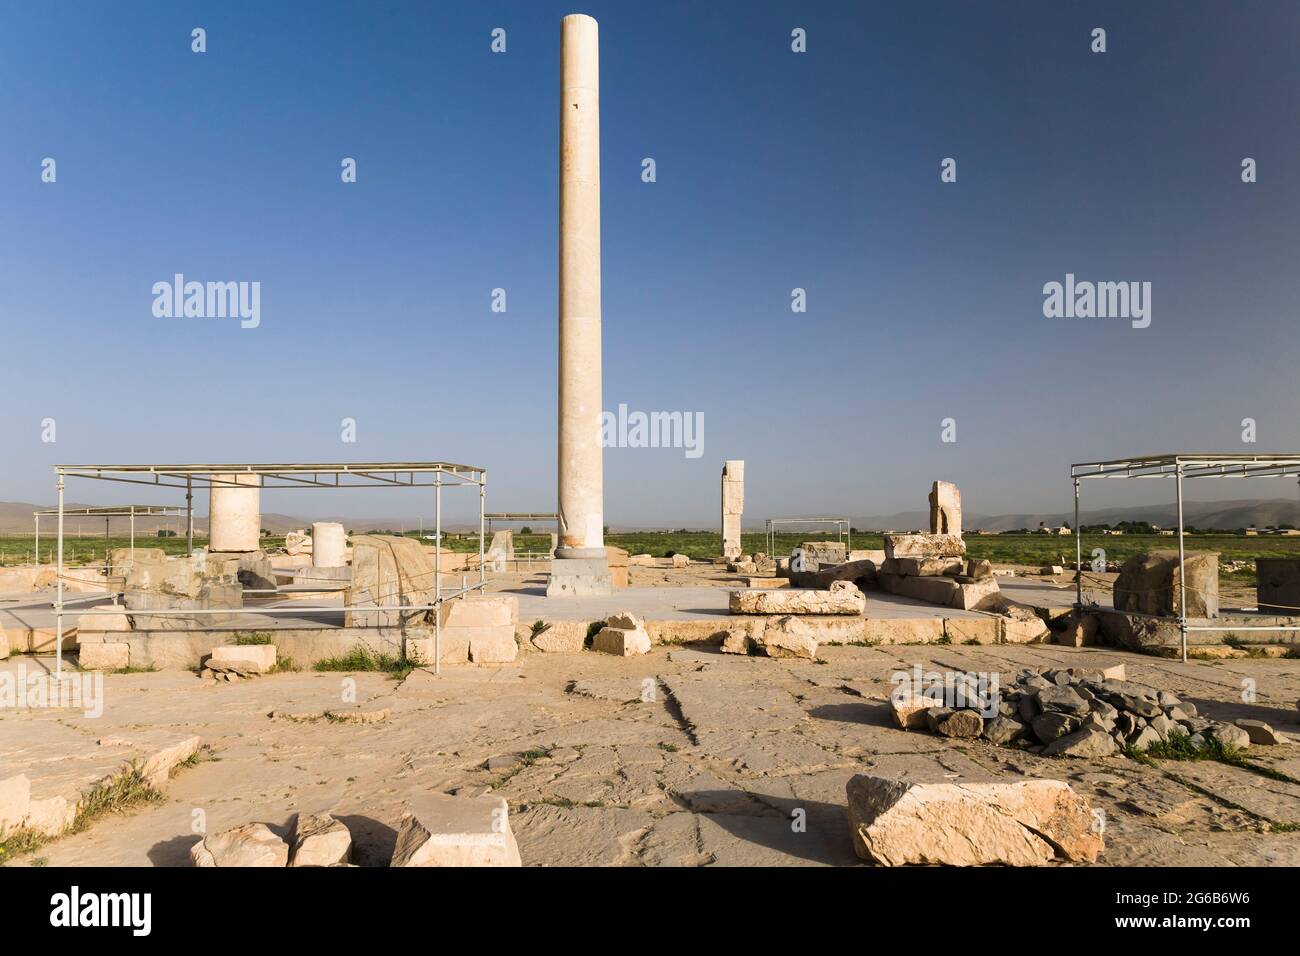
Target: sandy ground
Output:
{"points": [[683, 757]]}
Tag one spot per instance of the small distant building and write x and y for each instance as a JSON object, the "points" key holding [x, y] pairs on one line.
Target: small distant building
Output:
{"points": [[1252, 532], [1063, 529]]}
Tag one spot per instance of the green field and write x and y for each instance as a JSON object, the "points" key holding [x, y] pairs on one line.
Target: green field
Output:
{"points": [[1022, 549]]}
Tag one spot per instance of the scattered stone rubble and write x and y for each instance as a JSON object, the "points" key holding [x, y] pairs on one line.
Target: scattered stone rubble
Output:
{"points": [[786, 636], [1070, 712], [436, 830], [233, 662]]}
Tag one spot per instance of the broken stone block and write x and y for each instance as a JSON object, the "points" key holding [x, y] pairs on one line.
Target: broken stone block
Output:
{"points": [[1231, 736], [1080, 630], [1004, 730], [480, 611], [441, 830], [103, 656], [814, 555], [976, 595], [923, 567], [1148, 584], [1023, 626], [1261, 733], [255, 658], [1085, 742], [104, 622], [388, 571], [910, 707], [1277, 585], [1028, 823], [789, 637], [933, 590], [743, 637], [493, 645], [958, 723], [618, 562], [843, 597], [681, 560], [621, 643], [15, 799], [561, 637], [968, 630], [945, 509], [924, 546], [320, 840], [252, 844], [1064, 700]]}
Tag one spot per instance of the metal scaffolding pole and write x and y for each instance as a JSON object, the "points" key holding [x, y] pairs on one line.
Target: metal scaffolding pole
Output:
{"points": [[437, 574], [58, 591], [189, 516], [37, 519], [482, 493], [1182, 581], [1078, 551]]}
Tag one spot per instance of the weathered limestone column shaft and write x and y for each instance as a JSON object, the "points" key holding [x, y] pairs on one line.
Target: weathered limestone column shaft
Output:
{"points": [[581, 469], [329, 545], [234, 513], [733, 506]]}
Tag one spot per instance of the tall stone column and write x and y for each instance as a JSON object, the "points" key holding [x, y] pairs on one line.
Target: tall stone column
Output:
{"points": [[733, 506], [234, 513], [580, 565]]}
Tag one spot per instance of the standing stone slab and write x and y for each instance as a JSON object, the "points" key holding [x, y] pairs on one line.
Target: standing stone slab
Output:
{"points": [[1277, 585], [733, 506], [441, 830], [945, 509], [1148, 584]]}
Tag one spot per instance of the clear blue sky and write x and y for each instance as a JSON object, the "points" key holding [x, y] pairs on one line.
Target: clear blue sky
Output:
{"points": [[775, 170]]}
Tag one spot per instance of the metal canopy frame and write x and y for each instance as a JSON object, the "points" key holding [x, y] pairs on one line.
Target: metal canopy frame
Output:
{"points": [[112, 511], [291, 475], [515, 517], [1178, 466], [843, 529]]}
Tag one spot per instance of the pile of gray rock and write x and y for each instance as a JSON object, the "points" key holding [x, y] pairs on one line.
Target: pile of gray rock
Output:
{"points": [[1071, 712]]}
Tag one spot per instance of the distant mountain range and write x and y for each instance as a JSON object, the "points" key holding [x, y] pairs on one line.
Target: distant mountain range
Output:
{"points": [[16, 518], [1201, 514]]}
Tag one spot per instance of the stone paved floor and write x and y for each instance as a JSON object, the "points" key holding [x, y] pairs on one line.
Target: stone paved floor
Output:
{"points": [[683, 757]]}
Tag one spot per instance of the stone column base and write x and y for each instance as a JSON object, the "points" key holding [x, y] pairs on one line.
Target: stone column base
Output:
{"points": [[580, 577]]}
